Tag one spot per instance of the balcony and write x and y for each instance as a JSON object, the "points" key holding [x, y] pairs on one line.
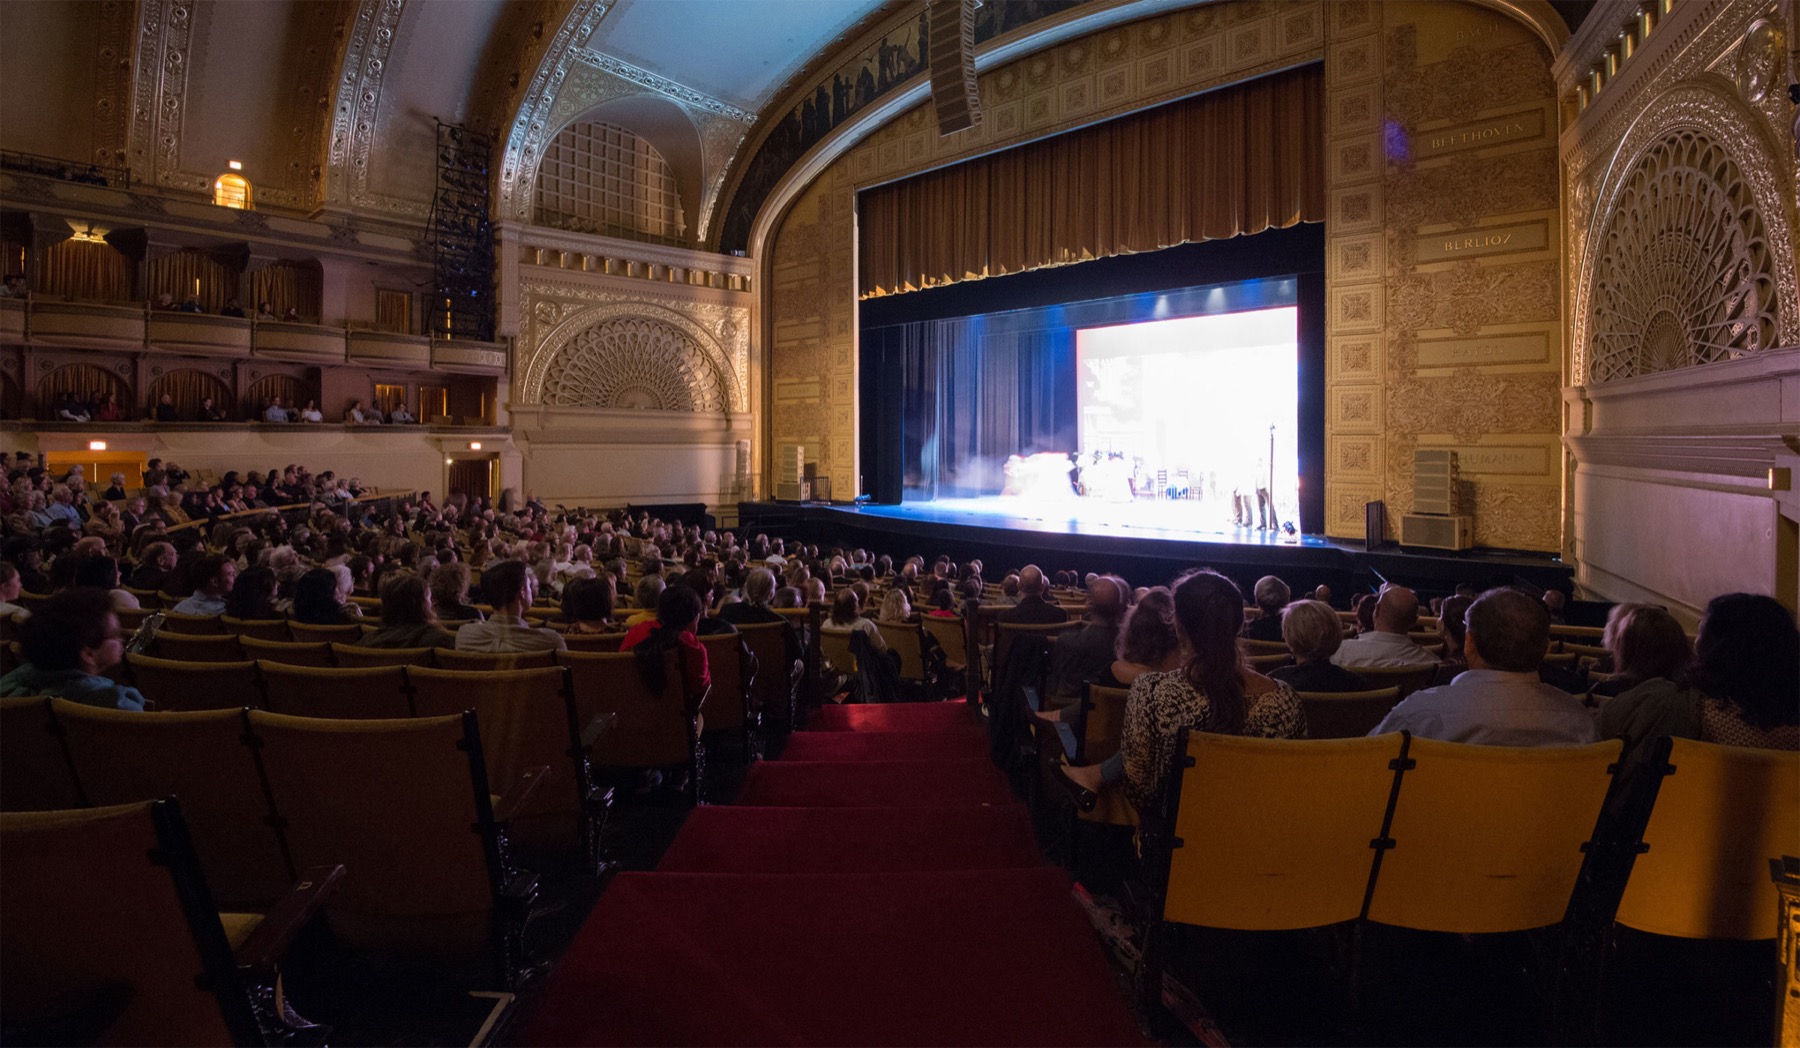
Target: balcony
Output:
{"points": [[468, 358], [299, 343], [200, 333], [94, 324], [386, 349], [12, 320]]}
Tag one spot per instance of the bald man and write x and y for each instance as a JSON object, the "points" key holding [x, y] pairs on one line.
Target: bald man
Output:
{"points": [[1086, 653], [1498, 700], [1033, 609], [1387, 646]]}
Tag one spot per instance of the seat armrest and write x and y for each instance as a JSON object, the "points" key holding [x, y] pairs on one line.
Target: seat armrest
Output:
{"points": [[518, 793], [263, 949], [518, 893], [695, 706]]}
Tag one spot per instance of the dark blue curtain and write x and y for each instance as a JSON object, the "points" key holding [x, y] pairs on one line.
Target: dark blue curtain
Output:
{"points": [[972, 392]]}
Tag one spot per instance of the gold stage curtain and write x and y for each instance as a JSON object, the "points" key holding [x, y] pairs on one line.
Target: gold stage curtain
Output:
{"points": [[288, 285], [191, 272], [1228, 163], [187, 388], [83, 271]]}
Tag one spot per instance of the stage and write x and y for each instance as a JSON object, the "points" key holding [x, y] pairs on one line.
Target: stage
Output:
{"points": [[1147, 541]]}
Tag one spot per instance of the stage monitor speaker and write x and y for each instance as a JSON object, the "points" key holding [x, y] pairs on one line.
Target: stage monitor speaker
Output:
{"points": [[1374, 524], [1437, 532], [951, 39]]}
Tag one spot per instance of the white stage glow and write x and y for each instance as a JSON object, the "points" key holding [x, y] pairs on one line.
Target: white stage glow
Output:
{"points": [[1184, 410]]}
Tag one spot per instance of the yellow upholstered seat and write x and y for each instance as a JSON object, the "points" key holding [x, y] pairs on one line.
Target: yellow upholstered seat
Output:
{"points": [[351, 656], [1490, 838], [728, 706], [346, 632], [477, 661], [261, 629], [772, 691], [196, 647], [645, 729], [1274, 832], [179, 622], [1405, 679], [1718, 820]]}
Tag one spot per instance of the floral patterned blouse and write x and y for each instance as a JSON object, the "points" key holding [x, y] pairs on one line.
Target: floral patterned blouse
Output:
{"points": [[1161, 704]]}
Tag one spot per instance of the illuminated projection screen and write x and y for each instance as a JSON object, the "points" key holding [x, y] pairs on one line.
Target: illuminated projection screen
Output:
{"points": [[1184, 408]]}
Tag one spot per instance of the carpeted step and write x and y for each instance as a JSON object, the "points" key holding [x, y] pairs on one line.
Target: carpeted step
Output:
{"points": [[884, 745], [852, 840], [875, 784], [896, 716], [971, 958]]}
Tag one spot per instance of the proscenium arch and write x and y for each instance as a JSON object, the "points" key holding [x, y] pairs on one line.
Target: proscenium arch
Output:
{"points": [[1709, 106], [668, 128], [716, 357]]}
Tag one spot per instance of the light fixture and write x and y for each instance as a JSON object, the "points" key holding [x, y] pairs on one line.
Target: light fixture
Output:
{"points": [[90, 235], [235, 165], [96, 445], [474, 445], [449, 462]]}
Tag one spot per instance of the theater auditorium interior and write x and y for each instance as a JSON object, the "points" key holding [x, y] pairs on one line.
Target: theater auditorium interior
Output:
{"points": [[899, 522]]}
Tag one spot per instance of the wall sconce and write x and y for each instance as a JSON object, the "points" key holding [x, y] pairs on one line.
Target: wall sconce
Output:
{"points": [[96, 445], [474, 445]]}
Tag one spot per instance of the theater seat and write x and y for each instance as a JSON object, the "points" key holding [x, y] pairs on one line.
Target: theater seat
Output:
{"points": [[193, 647], [291, 653], [347, 633], [35, 774], [176, 685], [261, 629], [87, 961], [1346, 714], [481, 661], [359, 693], [179, 622], [355, 655]]}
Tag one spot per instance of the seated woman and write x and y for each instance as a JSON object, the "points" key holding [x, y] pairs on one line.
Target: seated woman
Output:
{"points": [[319, 600], [408, 619], [1739, 691], [1147, 641], [101, 572], [253, 595], [896, 606], [450, 593], [846, 618], [1214, 690], [1313, 632], [678, 611], [67, 644], [587, 605], [1646, 643]]}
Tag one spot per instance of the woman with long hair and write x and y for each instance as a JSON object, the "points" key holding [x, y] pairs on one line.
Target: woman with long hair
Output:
{"points": [[408, 619], [1645, 642], [253, 595], [678, 610], [1215, 690], [1147, 641], [318, 599]]}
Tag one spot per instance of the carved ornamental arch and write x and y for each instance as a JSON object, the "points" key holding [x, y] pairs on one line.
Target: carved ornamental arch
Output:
{"points": [[1691, 261], [631, 356]]}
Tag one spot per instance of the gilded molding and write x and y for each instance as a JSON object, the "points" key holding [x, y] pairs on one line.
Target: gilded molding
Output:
{"points": [[554, 313], [356, 110], [661, 85], [531, 125], [113, 67], [164, 47], [1707, 108]]}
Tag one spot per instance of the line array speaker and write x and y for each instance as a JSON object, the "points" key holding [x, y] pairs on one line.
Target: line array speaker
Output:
{"points": [[950, 29]]}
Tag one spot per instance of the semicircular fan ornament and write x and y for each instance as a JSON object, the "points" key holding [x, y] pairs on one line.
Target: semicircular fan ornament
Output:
{"points": [[633, 363], [1684, 275]]}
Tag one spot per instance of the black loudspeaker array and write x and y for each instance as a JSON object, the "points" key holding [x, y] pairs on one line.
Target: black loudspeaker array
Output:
{"points": [[951, 38]]}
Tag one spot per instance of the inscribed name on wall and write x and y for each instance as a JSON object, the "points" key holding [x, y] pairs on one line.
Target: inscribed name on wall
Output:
{"points": [[1488, 240], [1478, 134]]}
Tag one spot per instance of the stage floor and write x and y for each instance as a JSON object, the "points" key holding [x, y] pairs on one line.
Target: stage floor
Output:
{"points": [[1163, 519]]}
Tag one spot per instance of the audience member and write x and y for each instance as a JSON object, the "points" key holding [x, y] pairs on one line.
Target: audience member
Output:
{"points": [[1148, 642], [678, 611], [1644, 643], [10, 587], [1498, 700], [165, 409], [1314, 633], [319, 599], [508, 588], [450, 593], [72, 640], [1086, 653], [1271, 595], [155, 565], [1386, 644], [587, 605], [100, 572], [408, 619], [215, 574], [252, 597], [1740, 689], [311, 412], [1032, 608], [274, 412]]}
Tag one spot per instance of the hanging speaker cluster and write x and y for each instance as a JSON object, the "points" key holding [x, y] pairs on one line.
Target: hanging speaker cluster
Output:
{"points": [[951, 28]]}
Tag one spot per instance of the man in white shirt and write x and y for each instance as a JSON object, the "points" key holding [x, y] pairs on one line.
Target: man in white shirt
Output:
{"points": [[218, 574], [508, 586], [275, 412], [1499, 700], [1388, 646], [401, 416]]}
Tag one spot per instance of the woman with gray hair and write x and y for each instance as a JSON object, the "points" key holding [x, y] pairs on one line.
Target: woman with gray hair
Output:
{"points": [[1313, 632]]}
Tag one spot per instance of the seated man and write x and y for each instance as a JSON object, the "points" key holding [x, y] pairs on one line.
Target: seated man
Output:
{"points": [[1499, 700], [1086, 653], [217, 574], [275, 412], [509, 587], [1272, 595], [1033, 609], [1387, 646], [400, 416]]}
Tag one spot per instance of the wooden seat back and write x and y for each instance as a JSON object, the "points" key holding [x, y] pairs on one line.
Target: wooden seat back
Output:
{"points": [[148, 965], [352, 656], [35, 773], [649, 729], [122, 757], [174, 685], [261, 629], [290, 653], [353, 693], [728, 706], [346, 632], [180, 622], [1346, 714], [489, 661]]}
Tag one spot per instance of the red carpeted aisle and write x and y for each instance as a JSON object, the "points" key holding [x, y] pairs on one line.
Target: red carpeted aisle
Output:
{"points": [[884, 889]]}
